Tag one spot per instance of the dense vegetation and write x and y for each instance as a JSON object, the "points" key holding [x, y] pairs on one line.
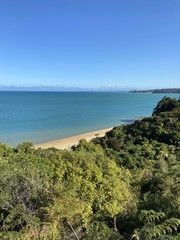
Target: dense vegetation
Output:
{"points": [[122, 186]]}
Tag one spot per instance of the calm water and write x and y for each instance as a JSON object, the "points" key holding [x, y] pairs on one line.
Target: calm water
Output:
{"points": [[44, 116]]}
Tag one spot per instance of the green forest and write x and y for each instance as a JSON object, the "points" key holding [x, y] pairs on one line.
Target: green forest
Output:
{"points": [[123, 186]]}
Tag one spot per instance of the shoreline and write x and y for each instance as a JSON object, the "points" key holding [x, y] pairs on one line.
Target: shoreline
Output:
{"points": [[67, 143]]}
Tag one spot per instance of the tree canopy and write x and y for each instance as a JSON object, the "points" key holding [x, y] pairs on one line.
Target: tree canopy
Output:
{"points": [[124, 185]]}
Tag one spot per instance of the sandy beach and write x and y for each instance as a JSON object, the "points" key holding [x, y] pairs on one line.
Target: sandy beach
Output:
{"points": [[67, 143]]}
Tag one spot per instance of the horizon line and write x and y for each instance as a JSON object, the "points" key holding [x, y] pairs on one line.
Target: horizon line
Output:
{"points": [[49, 88]]}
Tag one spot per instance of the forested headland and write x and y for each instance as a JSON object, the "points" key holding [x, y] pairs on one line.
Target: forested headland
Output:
{"points": [[163, 90], [125, 185]]}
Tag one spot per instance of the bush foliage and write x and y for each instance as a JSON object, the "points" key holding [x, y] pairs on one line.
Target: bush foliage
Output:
{"points": [[122, 186]]}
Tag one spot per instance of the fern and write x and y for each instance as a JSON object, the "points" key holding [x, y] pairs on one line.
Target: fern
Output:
{"points": [[151, 230], [150, 216]]}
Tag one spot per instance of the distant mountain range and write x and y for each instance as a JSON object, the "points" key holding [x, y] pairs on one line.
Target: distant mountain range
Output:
{"points": [[79, 89], [60, 89], [163, 90], [40, 88]]}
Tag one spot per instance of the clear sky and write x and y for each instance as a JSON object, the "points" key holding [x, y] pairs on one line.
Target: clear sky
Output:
{"points": [[90, 43]]}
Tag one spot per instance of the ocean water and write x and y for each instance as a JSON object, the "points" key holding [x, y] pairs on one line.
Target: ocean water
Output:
{"points": [[44, 116]]}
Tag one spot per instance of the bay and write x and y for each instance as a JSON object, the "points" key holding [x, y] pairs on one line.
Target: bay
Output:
{"points": [[44, 116]]}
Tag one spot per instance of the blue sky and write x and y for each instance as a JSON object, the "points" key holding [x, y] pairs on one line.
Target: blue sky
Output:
{"points": [[90, 43]]}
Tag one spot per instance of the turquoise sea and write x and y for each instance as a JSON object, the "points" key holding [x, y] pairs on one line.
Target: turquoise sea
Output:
{"points": [[44, 116]]}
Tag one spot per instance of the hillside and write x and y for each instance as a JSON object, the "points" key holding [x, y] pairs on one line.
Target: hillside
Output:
{"points": [[163, 90], [122, 186]]}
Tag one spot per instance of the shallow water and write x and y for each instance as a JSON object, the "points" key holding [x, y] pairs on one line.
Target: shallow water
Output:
{"points": [[44, 116]]}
